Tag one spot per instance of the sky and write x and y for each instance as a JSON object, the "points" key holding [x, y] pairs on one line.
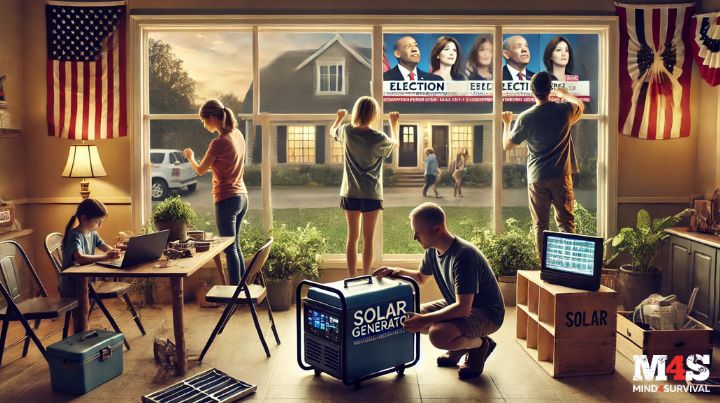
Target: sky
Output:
{"points": [[221, 62]]}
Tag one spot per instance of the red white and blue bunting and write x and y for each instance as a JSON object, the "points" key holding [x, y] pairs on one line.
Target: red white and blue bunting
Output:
{"points": [[706, 46]]}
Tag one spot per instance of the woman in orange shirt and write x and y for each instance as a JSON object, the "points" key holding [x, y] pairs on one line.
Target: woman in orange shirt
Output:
{"points": [[226, 157]]}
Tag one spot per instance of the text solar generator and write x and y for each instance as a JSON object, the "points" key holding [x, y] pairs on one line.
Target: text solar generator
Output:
{"points": [[353, 329]]}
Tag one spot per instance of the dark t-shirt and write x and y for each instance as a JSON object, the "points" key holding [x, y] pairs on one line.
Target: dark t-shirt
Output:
{"points": [[463, 269], [546, 128]]}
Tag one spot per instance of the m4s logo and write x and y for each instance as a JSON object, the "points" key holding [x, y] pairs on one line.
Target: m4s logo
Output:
{"points": [[694, 368]]}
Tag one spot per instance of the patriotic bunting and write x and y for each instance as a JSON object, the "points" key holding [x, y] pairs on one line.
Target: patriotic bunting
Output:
{"points": [[706, 46], [655, 70]]}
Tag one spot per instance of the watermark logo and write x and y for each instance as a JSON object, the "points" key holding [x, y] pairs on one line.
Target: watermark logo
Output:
{"points": [[678, 368]]}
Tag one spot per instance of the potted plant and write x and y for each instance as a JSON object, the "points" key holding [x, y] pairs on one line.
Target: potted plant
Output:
{"points": [[294, 252], [175, 215], [636, 281], [141, 292], [507, 252]]}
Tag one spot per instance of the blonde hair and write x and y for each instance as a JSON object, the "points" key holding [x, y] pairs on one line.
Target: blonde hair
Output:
{"points": [[364, 111], [224, 115]]}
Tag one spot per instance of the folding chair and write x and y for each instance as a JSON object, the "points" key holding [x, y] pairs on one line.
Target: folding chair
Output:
{"points": [[252, 294], [99, 290], [25, 308]]}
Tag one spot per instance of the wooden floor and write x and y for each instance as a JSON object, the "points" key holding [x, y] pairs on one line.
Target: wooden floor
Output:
{"points": [[510, 374]]}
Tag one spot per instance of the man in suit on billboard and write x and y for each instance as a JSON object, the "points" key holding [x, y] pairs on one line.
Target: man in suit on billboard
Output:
{"points": [[517, 57], [407, 54]]}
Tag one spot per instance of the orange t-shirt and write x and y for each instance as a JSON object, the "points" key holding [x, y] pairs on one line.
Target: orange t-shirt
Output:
{"points": [[228, 165]]}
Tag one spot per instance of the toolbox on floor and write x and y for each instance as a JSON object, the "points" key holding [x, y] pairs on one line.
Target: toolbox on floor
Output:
{"points": [[212, 386], [353, 329], [84, 361]]}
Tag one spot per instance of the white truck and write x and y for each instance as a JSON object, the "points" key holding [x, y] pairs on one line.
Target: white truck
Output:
{"points": [[170, 172]]}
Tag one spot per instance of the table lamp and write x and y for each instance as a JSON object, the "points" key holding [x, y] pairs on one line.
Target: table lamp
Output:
{"points": [[84, 162]]}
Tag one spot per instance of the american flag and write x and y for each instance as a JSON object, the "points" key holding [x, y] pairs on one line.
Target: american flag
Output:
{"points": [[655, 70], [86, 83]]}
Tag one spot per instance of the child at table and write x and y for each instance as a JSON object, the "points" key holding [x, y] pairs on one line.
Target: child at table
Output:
{"points": [[79, 243]]}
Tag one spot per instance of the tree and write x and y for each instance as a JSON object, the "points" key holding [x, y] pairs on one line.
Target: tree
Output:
{"points": [[172, 90], [231, 101]]}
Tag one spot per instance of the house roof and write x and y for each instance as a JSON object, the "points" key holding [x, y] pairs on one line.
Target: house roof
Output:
{"points": [[339, 39], [280, 93]]}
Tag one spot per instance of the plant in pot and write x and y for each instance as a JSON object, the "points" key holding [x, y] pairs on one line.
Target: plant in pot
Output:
{"points": [[636, 281], [295, 252], [175, 215], [141, 292], [507, 252]]}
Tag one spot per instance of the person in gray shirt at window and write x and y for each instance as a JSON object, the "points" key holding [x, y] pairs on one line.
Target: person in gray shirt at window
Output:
{"points": [[546, 127], [472, 307], [361, 191]]}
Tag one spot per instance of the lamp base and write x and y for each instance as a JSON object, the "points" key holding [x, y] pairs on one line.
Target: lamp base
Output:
{"points": [[84, 189]]}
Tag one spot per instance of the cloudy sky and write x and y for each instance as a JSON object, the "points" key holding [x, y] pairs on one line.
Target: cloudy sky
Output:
{"points": [[221, 62]]}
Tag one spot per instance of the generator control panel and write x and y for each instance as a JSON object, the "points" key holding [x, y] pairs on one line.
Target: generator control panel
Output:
{"points": [[322, 324]]}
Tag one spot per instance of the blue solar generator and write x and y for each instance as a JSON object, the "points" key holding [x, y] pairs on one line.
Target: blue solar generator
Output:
{"points": [[353, 329]]}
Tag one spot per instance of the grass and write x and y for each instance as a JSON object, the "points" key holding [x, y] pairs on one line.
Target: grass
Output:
{"points": [[398, 237]]}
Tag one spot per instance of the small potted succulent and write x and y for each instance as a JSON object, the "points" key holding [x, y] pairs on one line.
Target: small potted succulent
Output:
{"points": [[175, 215]]}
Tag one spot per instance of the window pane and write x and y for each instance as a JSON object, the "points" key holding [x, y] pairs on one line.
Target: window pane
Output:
{"points": [[188, 67], [515, 192], [170, 137], [305, 180], [289, 73], [453, 73], [572, 59], [404, 187], [340, 78]]}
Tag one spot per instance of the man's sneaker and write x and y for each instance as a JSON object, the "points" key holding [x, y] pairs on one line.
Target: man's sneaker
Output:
{"points": [[474, 362], [450, 358]]}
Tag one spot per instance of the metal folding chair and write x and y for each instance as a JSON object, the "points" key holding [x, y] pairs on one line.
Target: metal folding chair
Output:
{"points": [[23, 307], [252, 294]]}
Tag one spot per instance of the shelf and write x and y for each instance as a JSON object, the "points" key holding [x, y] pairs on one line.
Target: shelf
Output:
{"points": [[533, 316], [11, 236], [7, 132]]}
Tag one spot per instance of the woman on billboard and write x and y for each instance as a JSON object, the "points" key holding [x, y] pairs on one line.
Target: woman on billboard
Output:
{"points": [[558, 59], [480, 57], [445, 59]]}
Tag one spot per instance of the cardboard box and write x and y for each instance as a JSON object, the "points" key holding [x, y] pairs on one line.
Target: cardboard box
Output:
{"points": [[634, 340]]}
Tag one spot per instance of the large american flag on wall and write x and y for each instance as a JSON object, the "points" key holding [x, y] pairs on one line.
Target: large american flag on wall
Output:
{"points": [[655, 70], [86, 83]]}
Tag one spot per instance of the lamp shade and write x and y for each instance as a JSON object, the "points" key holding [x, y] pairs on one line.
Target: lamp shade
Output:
{"points": [[83, 162]]}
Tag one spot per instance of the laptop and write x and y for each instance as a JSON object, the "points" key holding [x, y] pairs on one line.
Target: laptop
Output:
{"points": [[140, 249]]}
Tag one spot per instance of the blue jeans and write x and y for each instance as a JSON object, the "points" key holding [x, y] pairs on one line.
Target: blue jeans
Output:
{"points": [[229, 214]]}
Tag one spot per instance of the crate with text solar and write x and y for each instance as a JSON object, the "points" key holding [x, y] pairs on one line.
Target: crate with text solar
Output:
{"points": [[568, 331]]}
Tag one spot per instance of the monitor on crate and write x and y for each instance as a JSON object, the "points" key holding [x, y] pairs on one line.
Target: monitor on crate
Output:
{"points": [[572, 260]]}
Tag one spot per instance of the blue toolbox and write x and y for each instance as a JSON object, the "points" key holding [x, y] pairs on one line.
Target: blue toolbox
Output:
{"points": [[353, 329], [84, 361]]}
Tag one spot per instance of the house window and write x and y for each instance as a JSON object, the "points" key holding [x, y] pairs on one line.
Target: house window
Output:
{"points": [[338, 153], [408, 133], [330, 78], [301, 144], [461, 138]]}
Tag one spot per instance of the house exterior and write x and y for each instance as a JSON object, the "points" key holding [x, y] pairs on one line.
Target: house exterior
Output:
{"points": [[331, 77]]}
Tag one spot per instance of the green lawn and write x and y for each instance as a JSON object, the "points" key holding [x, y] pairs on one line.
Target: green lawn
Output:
{"points": [[397, 234]]}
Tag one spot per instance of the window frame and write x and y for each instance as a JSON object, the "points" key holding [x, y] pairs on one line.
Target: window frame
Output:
{"points": [[310, 140], [605, 27]]}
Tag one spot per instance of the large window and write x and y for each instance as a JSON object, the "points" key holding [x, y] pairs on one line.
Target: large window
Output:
{"points": [[443, 80]]}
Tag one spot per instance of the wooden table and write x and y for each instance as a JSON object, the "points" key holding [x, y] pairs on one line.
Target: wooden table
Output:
{"points": [[177, 271]]}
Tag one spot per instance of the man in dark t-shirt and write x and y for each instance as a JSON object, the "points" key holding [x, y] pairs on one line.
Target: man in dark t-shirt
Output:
{"points": [[472, 306], [551, 155]]}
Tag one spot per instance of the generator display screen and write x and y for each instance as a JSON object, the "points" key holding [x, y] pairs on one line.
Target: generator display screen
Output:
{"points": [[322, 324]]}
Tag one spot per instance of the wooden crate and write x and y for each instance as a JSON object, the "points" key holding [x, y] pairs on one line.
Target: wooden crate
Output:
{"points": [[634, 340], [569, 332]]}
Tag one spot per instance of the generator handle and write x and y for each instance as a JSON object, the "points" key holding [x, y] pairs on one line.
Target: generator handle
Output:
{"points": [[358, 278], [299, 321], [416, 287]]}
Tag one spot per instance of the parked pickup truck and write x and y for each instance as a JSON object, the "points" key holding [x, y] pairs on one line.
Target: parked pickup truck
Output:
{"points": [[170, 172]]}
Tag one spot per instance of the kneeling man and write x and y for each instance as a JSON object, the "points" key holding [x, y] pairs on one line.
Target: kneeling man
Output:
{"points": [[472, 307]]}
